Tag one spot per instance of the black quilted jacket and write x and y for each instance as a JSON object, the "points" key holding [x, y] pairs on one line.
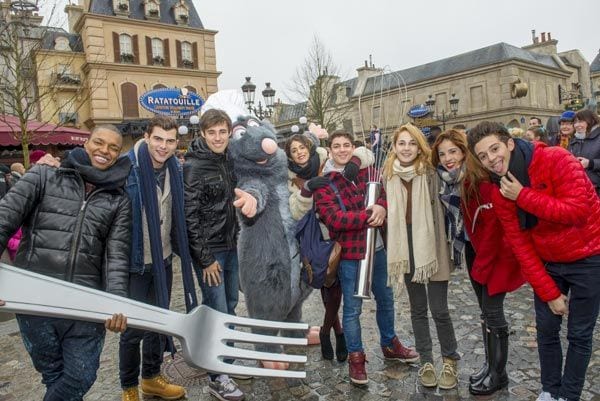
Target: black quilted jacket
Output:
{"points": [[66, 235]]}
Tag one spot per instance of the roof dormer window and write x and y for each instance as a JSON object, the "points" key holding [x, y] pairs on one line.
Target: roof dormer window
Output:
{"points": [[152, 9], [121, 7], [61, 43], [182, 13]]}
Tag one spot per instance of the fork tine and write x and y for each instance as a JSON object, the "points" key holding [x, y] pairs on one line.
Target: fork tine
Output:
{"points": [[240, 353], [267, 324], [243, 336], [230, 369]]}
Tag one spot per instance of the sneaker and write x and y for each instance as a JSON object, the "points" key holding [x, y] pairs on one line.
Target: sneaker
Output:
{"points": [[130, 394], [225, 389], [158, 386], [545, 396], [356, 367], [399, 352], [427, 375], [448, 377]]}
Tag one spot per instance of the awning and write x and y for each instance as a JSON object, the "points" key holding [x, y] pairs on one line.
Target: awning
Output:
{"points": [[41, 133]]}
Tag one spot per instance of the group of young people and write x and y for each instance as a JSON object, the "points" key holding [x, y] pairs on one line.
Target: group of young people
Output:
{"points": [[509, 210]]}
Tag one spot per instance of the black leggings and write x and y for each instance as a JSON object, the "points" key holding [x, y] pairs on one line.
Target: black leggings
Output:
{"points": [[492, 307]]}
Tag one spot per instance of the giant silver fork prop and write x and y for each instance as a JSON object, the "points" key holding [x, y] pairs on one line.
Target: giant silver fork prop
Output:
{"points": [[203, 332], [364, 274]]}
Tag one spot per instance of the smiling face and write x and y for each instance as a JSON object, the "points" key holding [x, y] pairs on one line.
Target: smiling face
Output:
{"points": [[299, 153], [406, 149], [580, 125], [341, 151], [451, 156], [103, 148], [494, 154], [567, 128], [162, 144], [217, 137]]}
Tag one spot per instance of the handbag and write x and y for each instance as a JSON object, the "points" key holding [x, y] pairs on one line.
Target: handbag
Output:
{"points": [[320, 258]]}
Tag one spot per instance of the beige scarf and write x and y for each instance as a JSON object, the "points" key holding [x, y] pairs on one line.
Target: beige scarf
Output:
{"points": [[423, 230]]}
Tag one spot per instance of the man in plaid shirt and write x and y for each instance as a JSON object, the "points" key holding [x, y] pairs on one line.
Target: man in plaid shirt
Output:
{"points": [[349, 228]]}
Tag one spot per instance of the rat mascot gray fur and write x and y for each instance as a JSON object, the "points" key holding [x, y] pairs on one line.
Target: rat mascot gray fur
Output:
{"points": [[267, 249]]}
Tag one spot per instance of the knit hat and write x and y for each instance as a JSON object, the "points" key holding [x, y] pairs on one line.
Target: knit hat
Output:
{"points": [[36, 155], [568, 116]]}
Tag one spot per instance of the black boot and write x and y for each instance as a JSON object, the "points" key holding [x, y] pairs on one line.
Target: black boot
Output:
{"points": [[483, 371], [498, 356], [326, 347], [341, 352]]}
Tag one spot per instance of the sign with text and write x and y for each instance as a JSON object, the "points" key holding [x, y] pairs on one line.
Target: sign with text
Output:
{"points": [[172, 102], [418, 111]]}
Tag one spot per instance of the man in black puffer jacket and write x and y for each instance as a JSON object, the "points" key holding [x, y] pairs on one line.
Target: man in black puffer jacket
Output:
{"points": [[76, 227]]}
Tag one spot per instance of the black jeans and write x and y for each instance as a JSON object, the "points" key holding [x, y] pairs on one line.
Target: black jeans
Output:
{"points": [[141, 288], [581, 281], [435, 295], [66, 353], [492, 307]]}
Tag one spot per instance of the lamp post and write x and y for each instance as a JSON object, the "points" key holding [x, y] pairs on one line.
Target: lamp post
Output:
{"points": [[430, 103], [249, 90]]}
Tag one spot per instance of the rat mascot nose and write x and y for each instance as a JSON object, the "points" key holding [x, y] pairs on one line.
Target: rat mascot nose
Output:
{"points": [[269, 146]]}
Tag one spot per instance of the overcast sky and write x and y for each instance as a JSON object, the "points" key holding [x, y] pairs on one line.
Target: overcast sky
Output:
{"points": [[268, 39]]}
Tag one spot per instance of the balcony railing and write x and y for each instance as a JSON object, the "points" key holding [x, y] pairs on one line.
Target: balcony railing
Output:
{"points": [[64, 78]]}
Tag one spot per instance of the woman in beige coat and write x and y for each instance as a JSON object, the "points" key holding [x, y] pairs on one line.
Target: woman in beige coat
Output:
{"points": [[418, 254]]}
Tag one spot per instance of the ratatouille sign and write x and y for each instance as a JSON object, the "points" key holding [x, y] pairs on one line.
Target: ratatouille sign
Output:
{"points": [[171, 101]]}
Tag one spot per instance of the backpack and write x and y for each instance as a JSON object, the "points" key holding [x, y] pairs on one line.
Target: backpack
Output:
{"points": [[320, 258]]}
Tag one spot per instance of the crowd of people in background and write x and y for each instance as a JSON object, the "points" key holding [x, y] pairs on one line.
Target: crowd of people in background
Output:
{"points": [[510, 206]]}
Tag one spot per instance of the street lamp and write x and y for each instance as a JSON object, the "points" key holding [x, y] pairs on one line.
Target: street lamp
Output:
{"points": [[430, 103], [249, 90], [190, 126]]}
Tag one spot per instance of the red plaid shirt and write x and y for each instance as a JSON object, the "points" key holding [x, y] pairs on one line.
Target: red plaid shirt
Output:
{"points": [[349, 228]]}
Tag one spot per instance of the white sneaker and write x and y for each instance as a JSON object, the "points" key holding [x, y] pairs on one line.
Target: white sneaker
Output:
{"points": [[545, 396], [225, 389]]}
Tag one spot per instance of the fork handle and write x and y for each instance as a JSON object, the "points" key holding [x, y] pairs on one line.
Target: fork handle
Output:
{"points": [[35, 294]]}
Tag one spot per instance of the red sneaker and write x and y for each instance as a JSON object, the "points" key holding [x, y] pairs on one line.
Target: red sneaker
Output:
{"points": [[399, 352], [356, 363]]}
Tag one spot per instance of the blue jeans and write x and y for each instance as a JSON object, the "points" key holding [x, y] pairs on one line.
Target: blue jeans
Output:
{"points": [[384, 299], [66, 353], [141, 288], [223, 297], [581, 281]]}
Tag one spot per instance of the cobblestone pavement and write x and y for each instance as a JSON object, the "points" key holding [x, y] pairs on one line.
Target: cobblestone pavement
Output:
{"points": [[328, 380]]}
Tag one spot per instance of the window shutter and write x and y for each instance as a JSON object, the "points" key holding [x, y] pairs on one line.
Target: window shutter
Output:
{"points": [[178, 53], [136, 49], [195, 54], [149, 51], [116, 47], [167, 55], [130, 100]]}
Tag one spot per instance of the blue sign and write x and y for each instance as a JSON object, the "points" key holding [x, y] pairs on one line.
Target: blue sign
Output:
{"points": [[418, 111], [171, 101]]}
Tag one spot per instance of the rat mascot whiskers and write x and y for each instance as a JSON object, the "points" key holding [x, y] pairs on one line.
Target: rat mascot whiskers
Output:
{"points": [[267, 249]]}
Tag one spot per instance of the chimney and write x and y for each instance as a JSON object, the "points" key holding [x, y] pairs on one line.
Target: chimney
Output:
{"points": [[371, 61], [549, 37], [74, 12], [366, 64], [533, 37], [543, 37]]}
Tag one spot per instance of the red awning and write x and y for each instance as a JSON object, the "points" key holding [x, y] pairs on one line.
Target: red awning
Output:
{"points": [[41, 133]]}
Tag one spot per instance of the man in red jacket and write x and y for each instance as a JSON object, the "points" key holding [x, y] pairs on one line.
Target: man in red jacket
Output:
{"points": [[551, 216], [348, 225]]}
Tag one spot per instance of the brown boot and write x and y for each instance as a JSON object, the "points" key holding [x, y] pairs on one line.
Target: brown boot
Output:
{"points": [[158, 386], [130, 394], [357, 369], [448, 377], [399, 352]]}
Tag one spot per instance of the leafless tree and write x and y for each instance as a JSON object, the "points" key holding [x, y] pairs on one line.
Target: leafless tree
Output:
{"points": [[30, 75], [317, 81]]}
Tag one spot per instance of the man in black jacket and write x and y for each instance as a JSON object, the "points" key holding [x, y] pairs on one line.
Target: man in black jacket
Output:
{"points": [[212, 226], [76, 227]]}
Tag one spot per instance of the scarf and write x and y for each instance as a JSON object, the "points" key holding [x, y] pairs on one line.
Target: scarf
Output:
{"points": [[520, 158], [423, 231], [310, 170], [450, 197], [150, 203], [112, 178]]}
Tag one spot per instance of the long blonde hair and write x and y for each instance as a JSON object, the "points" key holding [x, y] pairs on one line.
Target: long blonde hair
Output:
{"points": [[423, 160]]}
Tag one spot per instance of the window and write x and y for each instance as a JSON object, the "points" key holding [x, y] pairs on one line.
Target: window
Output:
{"points": [[125, 44], [130, 100], [157, 48], [186, 51], [152, 8]]}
